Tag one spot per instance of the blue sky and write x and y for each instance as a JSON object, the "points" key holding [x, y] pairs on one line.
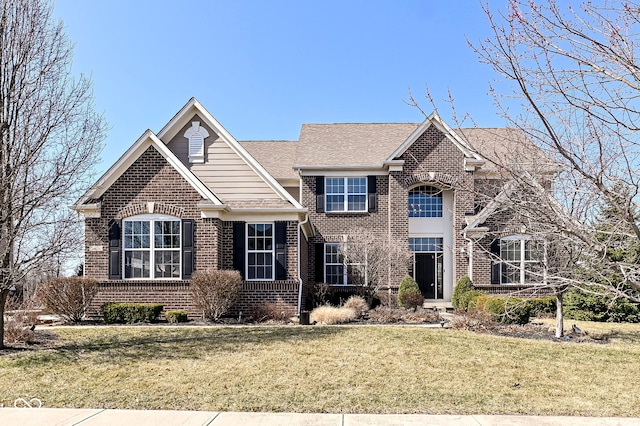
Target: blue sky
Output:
{"points": [[264, 67]]}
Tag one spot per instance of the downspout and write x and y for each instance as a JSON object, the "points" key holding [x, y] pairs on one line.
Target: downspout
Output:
{"points": [[306, 220]]}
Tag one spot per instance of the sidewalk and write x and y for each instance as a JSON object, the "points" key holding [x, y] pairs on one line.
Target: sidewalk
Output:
{"points": [[99, 417]]}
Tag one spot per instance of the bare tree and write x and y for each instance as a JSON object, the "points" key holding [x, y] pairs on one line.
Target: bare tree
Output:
{"points": [[575, 73], [374, 261], [50, 139]]}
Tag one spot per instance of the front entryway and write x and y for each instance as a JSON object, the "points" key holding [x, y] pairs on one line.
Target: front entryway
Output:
{"points": [[427, 271]]}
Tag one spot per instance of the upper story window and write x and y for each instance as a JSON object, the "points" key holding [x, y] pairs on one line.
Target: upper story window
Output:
{"points": [[151, 247], [196, 135], [260, 251], [425, 201], [346, 194], [521, 258]]}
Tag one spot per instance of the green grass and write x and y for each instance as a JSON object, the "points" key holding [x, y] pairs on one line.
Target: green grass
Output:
{"points": [[362, 369]]}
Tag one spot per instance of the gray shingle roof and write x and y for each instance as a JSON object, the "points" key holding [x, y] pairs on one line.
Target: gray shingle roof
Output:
{"points": [[504, 147], [278, 157], [363, 144], [370, 144]]}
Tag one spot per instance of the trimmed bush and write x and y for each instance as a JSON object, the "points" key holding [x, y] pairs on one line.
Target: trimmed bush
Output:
{"points": [[542, 305], [409, 294], [464, 295], [129, 313], [507, 310], [214, 292], [176, 316], [68, 297]]}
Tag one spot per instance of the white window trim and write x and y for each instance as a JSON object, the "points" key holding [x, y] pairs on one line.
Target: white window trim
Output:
{"points": [[521, 265], [345, 265], [151, 218], [272, 251], [440, 194], [345, 194]]}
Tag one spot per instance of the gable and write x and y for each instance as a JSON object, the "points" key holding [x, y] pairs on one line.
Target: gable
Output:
{"points": [[149, 181], [89, 203], [227, 174], [228, 169], [432, 152]]}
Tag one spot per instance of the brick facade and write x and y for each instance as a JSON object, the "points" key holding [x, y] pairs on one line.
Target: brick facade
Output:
{"points": [[152, 185]]}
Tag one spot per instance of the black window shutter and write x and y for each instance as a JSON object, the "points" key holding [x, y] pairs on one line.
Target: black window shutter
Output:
{"points": [[319, 262], [372, 194], [281, 250], [115, 249], [319, 194], [238, 247], [187, 248], [496, 265]]}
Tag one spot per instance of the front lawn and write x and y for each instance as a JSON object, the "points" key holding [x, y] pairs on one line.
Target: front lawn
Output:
{"points": [[341, 369]]}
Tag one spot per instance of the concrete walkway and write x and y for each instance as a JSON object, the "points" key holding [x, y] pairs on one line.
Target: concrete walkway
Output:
{"points": [[98, 417]]}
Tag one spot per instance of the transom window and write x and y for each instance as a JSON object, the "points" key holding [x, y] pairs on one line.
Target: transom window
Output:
{"points": [[425, 201], [428, 244], [346, 194], [336, 270], [151, 247], [260, 251], [521, 260]]}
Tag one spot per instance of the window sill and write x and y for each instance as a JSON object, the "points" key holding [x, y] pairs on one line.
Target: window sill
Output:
{"points": [[347, 213]]}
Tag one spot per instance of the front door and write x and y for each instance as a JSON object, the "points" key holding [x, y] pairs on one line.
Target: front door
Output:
{"points": [[428, 274]]}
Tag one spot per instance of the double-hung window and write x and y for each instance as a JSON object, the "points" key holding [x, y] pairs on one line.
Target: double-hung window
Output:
{"points": [[260, 251], [338, 270], [521, 260], [151, 247], [346, 194]]}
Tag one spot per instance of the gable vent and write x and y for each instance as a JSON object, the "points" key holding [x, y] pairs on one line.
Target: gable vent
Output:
{"points": [[196, 135]]}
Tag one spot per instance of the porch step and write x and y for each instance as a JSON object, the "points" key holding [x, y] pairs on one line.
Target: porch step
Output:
{"points": [[438, 306]]}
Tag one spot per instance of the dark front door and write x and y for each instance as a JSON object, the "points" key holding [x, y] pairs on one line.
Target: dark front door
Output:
{"points": [[425, 274]]}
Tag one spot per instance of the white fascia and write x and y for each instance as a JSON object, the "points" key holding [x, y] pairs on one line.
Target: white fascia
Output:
{"points": [[194, 106], [475, 160], [147, 139], [341, 171]]}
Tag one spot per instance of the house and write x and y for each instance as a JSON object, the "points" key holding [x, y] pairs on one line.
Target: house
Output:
{"points": [[193, 198]]}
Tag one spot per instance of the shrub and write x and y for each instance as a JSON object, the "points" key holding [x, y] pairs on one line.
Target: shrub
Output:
{"points": [[583, 306], [409, 295], [176, 315], [268, 312], [387, 298], [507, 310], [358, 304], [464, 295], [68, 297], [542, 305], [328, 314], [463, 286], [215, 292], [19, 321], [474, 320], [388, 314], [129, 313]]}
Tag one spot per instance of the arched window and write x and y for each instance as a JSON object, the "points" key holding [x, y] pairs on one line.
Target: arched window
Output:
{"points": [[425, 201]]}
